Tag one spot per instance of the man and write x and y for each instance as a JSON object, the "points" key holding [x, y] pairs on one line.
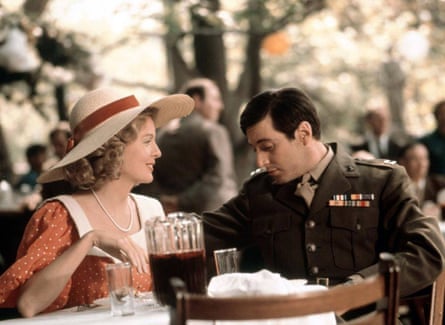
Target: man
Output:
{"points": [[36, 155], [379, 139], [195, 172], [429, 188], [435, 141], [352, 209], [58, 139]]}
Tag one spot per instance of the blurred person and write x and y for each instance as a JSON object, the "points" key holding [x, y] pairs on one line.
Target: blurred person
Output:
{"points": [[428, 188], [362, 154], [71, 238], [435, 141], [312, 211], [36, 155], [196, 171], [379, 139], [58, 139]]}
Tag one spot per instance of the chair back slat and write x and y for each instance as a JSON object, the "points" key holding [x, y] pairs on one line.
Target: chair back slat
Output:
{"points": [[427, 305], [437, 300]]}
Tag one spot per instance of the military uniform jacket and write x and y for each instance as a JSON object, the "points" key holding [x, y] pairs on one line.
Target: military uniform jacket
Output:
{"points": [[279, 232], [434, 184]]}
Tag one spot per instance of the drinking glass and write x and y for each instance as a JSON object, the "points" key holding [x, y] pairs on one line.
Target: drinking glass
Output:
{"points": [[121, 289], [324, 281], [175, 245], [226, 260]]}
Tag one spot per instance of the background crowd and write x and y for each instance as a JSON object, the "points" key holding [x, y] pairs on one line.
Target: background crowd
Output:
{"points": [[196, 171]]}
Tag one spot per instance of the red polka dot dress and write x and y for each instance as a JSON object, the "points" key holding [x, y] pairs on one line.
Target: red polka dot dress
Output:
{"points": [[48, 234]]}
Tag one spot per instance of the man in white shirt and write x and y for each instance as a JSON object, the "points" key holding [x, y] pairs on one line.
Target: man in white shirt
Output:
{"points": [[414, 157], [379, 138]]}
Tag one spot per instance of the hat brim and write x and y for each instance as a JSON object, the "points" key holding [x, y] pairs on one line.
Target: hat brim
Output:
{"points": [[168, 108]]}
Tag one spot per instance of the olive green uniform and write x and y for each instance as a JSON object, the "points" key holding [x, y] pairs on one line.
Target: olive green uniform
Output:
{"points": [[335, 237]]}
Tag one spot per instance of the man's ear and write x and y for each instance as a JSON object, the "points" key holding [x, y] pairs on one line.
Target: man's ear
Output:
{"points": [[303, 132]]}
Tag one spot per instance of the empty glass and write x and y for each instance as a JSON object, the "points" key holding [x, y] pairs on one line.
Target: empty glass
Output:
{"points": [[226, 260], [121, 289]]}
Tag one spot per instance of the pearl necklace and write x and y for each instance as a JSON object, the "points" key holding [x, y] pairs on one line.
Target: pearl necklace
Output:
{"points": [[111, 218]]}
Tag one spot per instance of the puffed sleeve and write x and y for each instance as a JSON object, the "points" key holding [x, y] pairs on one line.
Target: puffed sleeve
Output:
{"points": [[48, 234]]}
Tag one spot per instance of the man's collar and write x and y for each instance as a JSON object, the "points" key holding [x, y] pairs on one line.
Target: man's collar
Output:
{"points": [[322, 164]]}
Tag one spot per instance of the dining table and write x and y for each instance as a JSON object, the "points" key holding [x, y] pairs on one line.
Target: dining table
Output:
{"points": [[143, 316], [97, 314], [146, 313]]}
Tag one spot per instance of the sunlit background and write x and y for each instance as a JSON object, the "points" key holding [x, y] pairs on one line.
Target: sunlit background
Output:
{"points": [[337, 53]]}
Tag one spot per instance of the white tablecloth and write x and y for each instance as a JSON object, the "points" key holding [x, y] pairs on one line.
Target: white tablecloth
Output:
{"points": [[147, 316], [148, 313], [98, 315]]}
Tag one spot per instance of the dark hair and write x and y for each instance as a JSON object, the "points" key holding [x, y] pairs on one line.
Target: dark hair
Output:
{"points": [[196, 90], [437, 108], [57, 131], [34, 150], [197, 86], [407, 147], [287, 107]]}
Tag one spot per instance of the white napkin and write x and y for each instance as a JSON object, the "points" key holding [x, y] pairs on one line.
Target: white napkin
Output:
{"points": [[260, 283]]}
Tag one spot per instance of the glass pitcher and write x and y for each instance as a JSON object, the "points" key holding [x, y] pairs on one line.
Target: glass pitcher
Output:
{"points": [[175, 245]]}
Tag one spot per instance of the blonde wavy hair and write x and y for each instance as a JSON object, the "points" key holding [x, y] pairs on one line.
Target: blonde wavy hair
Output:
{"points": [[105, 162]]}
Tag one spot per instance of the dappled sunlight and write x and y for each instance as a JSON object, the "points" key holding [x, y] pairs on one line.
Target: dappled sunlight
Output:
{"points": [[337, 54]]}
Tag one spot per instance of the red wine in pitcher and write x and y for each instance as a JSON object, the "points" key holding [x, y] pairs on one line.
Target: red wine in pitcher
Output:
{"points": [[188, 266]]}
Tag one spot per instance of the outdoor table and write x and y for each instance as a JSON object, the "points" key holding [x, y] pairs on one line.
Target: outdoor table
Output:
{"points": [[98, 315]]}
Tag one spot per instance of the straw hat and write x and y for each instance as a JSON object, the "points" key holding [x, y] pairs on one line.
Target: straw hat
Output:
{"points": [[102, 113]]}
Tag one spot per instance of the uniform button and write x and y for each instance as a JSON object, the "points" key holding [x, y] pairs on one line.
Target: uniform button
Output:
{"points": [[358, 226], [313, 270], [310, 224], [350, 168], [311, 248]]}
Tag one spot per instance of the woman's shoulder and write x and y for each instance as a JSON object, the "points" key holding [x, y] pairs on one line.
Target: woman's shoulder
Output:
{"points": [[50, 208], [50, 220], [50, 213]]}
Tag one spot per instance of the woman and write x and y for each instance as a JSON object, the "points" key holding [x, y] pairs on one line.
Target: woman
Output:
{"points": [[70, 238]]}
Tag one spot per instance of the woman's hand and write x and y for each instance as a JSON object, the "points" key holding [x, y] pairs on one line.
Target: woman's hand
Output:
{"points": [[122, 248]]}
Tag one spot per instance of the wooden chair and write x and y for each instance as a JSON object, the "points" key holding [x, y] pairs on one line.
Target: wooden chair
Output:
{"points": [[427, 307], [381, 289], [437, 301]]}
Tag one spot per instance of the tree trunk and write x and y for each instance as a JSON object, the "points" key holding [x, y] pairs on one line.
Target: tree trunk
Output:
{"points": [[208, 44], [393, 83], [248, 86], [35, 8], [6, 171]]}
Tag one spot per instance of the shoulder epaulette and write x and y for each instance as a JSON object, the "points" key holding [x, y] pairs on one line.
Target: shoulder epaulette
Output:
{"points": [[376, 162]]}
